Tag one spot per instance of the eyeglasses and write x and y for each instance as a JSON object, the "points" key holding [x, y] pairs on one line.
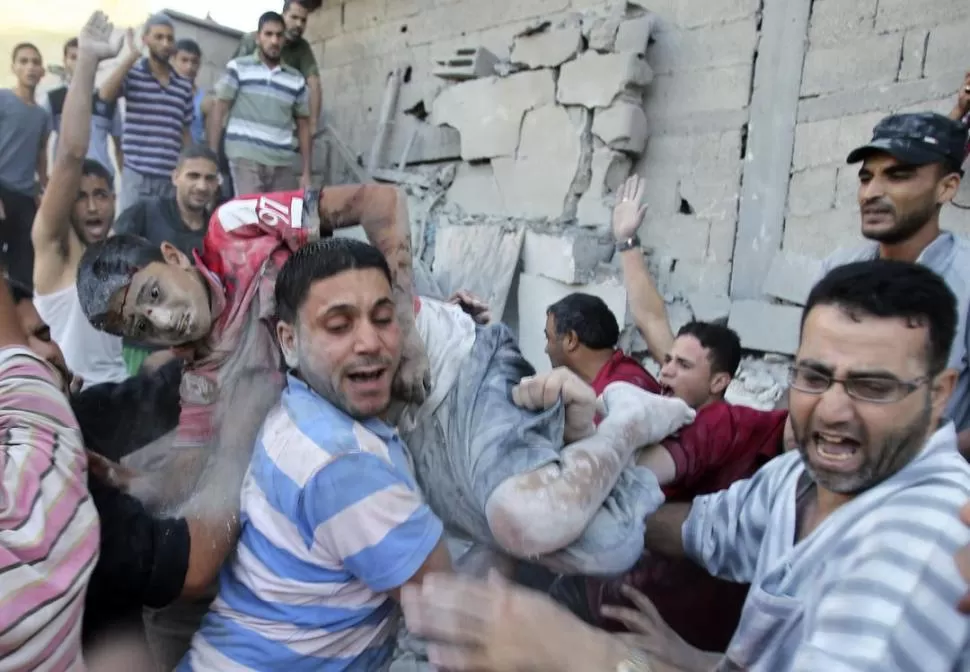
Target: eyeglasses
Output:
{"points": [[871, 389]]}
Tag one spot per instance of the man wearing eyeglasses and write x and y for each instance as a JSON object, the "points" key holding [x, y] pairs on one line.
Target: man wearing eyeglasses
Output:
{"points": [[848, 542], [908, 171]]}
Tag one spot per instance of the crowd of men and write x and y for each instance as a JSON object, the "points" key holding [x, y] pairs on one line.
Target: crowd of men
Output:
{"points": [[235, 441]]}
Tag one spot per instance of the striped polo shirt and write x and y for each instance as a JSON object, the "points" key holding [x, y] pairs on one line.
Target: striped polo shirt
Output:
{"points": [[874, 587], [265, 102], [155, 118], [331, 521], [48, 524]]}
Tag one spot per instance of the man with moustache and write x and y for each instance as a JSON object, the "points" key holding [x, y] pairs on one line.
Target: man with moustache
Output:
{"points": [[909, 170], [76, 211]]}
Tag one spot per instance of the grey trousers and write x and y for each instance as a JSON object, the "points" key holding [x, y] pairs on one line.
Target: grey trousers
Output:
{"points": [[249, 177], [135, 187]]}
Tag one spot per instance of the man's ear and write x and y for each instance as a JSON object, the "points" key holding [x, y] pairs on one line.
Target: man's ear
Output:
{"points": [[175, 256], [941, 387], [289, 343], [948, 187], [719, 383], [570, 341]]}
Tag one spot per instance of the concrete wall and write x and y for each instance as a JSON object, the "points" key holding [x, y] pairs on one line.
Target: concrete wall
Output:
{"points": [[750, 107]]}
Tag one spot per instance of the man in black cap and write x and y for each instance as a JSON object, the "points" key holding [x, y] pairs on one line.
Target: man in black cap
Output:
{"points": [[909, 170]]}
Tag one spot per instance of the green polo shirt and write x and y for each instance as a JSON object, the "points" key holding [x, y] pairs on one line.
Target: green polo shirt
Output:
{"points": [[296, 54]]}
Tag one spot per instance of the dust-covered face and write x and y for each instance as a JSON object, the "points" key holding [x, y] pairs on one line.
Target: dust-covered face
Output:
{"points": [[346, 344], [166, 304], [94, 209]]}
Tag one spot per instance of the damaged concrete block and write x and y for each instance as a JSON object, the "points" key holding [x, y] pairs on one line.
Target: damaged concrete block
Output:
{"points": [[536, 293], [709, 307], [791, 277], [570, 256], [466, 63], [633, 35], [549, 48], [488, 112], [480, 258], [766, 327], [595, 80], [536, 183], [622, 126], [475, 191], [609, 169]]}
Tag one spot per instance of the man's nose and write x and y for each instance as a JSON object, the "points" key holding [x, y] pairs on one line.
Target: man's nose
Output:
{"points": [[835, 406], [368, 340]]}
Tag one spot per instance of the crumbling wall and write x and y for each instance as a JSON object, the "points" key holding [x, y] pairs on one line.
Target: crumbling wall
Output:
{"points": [[738, 112]]}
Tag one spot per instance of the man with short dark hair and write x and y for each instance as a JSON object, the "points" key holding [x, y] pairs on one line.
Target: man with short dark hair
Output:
{"points": [[908, 171], [581, 334], [77, 211], [186, 61], [24, 130], [265, 102], [158, 112], [295, 52], [105, 117], [331, 513]]}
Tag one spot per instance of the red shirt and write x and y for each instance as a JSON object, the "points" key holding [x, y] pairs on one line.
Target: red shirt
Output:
{"points": [[620, 367], [724, 444], [247, 242]]}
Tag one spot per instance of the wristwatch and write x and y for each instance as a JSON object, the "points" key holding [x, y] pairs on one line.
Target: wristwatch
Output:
{"points": [[629, 244], [636, 661]]}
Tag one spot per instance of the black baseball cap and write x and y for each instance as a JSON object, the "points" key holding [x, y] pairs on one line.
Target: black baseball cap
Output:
{"points": [[917, 139]]}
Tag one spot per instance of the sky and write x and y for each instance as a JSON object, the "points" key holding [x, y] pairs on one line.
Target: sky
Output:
{"points": [[239, 14]]}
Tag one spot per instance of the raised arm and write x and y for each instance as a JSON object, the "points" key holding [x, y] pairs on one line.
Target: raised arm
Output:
{"points": [[54, 243], [114, 86], [646, 304]]}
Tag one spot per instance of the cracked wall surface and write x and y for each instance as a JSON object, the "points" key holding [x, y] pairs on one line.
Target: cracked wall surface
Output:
{"points": [[695, 95]]}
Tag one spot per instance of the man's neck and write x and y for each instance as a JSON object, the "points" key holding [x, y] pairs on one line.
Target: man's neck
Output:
{"points": [[25, 92], [910, 249], [589, 365], [194, 219], [268, 62], [818, 508], [161, 69]]}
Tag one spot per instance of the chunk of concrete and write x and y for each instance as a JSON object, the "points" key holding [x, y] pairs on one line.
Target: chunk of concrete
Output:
{"points": [[766, 327], [595, 80], [549, 48], [536, 293], [475, 191], [488, 112], [633, 35], [609, 170], [791, 277], [710, 308], [537, 181], [569, 256], [466, 63], [480, 258], [622, 126]]}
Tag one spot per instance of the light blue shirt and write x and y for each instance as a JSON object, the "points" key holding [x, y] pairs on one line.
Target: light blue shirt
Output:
{"points": [[105, 123], [331, 521]]}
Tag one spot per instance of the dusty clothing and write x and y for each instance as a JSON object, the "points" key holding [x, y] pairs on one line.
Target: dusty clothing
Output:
{"points": [[470, 437], [724, 444]]}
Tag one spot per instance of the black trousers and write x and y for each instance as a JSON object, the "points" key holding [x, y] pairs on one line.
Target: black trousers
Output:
{"points": [[16, 249]]}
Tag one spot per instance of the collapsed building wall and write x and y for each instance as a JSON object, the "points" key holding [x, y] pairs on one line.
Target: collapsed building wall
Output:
{"points": [[525, 115]]}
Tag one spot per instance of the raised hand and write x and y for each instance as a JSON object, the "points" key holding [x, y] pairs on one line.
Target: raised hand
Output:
{"points": [[962, 108], [629, 209], [97, 37]]}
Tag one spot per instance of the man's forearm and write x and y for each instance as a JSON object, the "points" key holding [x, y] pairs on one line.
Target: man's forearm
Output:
{"points": [[664, 530], [316, 102], [213, 131], [306, 144], [75, 132], [110, 90], [646, 304]]}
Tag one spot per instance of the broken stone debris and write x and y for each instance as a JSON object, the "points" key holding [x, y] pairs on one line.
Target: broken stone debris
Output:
{"points": [[791, 277], [766, 327], [466, 63], [596, 80], [622, 126], [547, 48]]}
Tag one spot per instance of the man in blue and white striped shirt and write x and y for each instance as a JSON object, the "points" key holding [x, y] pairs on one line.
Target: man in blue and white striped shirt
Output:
{"points": [[849, 542], [332, 522]]}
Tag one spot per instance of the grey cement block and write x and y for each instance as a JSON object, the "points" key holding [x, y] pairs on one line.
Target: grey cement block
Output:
{"points": [[766, 327], [914, 54], [865, 62], [683, 237], [595, 80], [946, 50], [821, 234], [670, 155], [567, 256], [722, 239], [903, 14], [821, 143], [710, 194], [774, 101], [879, 99], [812, 190], [703, 48], [633, 35], [488, 112], [791, 277], [548, 49], [609, 169], [709, 307], [696, 13], [835, 22], [702, 276], [668, 122], [622, 126], [727, 89], [466, 63]]}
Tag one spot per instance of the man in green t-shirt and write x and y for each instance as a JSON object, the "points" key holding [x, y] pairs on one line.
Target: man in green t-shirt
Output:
{"points": [[296, 53]]}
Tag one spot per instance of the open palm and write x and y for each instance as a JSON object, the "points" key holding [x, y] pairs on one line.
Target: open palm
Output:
{"points": [[97, 37]]}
